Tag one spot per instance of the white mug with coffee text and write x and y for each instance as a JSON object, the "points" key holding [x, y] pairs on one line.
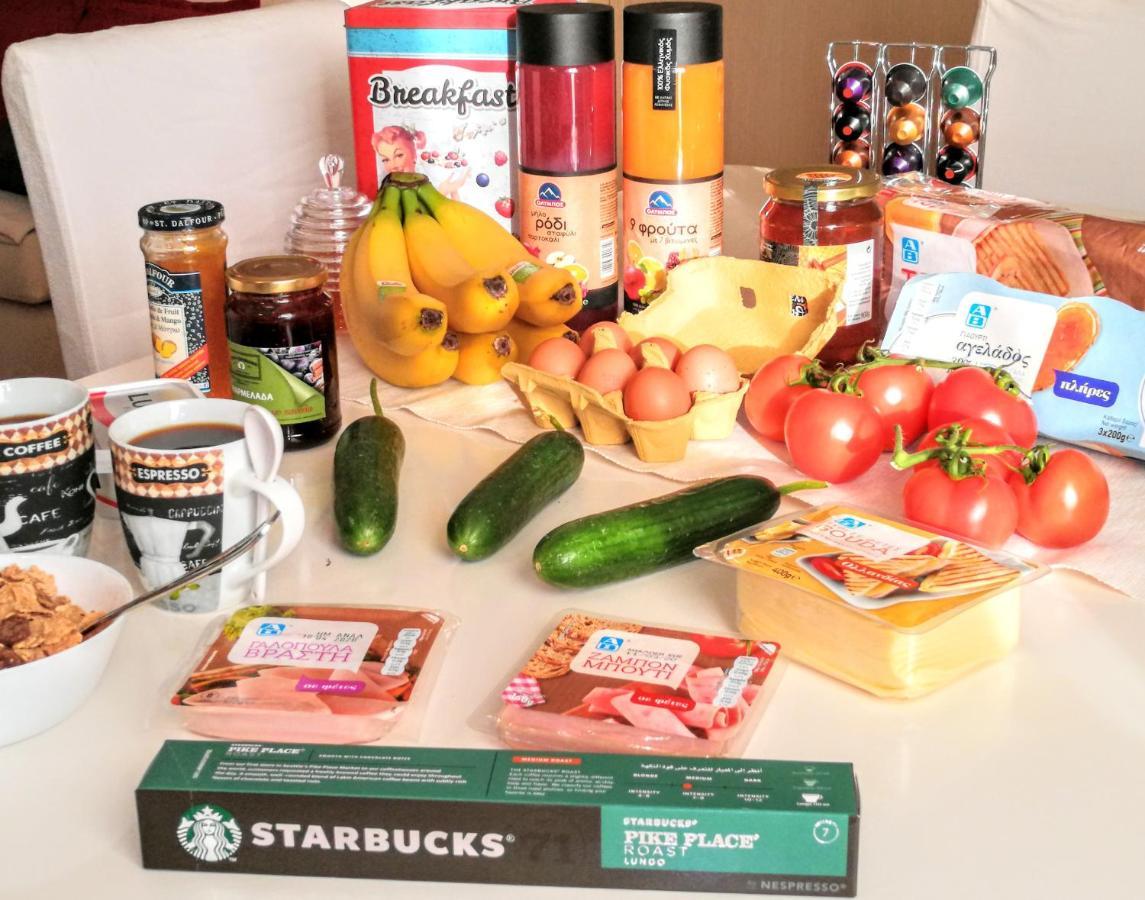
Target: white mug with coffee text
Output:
{"points": [[47, 467], [180, 507]]}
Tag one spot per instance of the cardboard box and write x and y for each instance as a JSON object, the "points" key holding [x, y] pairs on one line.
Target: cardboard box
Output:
{"points": [[504, 817]]}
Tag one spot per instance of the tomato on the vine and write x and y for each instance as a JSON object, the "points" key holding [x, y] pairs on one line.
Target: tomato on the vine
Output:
{"points": [[982, 434], [833, 437], [1067, 503], [901, 396], [974, 392], [979, 509], [771, 393]]}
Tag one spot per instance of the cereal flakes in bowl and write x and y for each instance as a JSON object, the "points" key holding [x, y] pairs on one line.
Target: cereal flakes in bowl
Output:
{"points": [[46, 670]]}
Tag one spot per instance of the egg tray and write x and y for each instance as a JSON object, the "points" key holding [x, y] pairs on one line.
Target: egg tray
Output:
{"points": [[553, 400]]}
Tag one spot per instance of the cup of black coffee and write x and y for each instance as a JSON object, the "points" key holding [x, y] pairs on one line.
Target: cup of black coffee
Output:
{"points": [[192, 478], [47, 467]]}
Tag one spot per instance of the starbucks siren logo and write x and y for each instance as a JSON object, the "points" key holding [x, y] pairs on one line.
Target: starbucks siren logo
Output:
{"points": [[209, 833]]}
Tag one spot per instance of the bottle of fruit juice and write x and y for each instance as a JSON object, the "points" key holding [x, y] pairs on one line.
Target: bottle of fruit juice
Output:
{"points": [[566, 90], [673, 157]]}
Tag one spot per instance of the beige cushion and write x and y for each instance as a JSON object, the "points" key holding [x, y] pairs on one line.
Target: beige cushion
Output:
{"points": [[22, 275]]}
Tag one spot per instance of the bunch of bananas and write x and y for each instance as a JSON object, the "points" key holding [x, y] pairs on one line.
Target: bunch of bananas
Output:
{"points": [[433, 288]]}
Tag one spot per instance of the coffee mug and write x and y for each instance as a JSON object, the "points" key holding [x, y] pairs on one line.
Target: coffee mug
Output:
{"points": [[192, 478], [47, 467]]}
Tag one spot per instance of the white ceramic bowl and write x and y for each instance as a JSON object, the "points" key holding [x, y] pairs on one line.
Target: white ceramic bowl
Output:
{"points": [[39, 694]]}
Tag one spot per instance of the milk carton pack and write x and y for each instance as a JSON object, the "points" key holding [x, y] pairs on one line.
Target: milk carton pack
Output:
{"points": [[432, 91]]}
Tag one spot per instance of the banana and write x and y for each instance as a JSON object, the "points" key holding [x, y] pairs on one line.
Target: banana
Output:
{"points": [[547, 293], [411, 323], [527, 336], [478, 300], [378, 293], [432, 366], [483, 355]]}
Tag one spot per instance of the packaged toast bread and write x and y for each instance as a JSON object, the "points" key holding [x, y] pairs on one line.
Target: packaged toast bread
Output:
{"points": [[609, 685], [887, 607], [935, 227]]}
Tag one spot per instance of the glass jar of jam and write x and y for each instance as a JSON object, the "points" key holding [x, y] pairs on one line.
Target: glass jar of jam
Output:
{"points": [[284, 357], [185, 254], [825, 217]]}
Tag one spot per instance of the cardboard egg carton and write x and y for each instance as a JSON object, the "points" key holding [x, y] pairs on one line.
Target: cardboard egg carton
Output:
{"points": [[554, 400]]}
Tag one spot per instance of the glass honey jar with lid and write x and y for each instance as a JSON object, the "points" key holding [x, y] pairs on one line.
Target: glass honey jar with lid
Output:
{"points": [[281, 335]]}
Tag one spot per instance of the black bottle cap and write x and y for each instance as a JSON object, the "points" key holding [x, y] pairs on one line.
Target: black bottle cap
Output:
{"points": [[181, 215], [565, 34], [699, 31]]}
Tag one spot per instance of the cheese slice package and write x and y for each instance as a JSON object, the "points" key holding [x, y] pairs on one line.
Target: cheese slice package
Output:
{"points": [[887, 607], [599, 684], [1079, 360], [314, 673]]}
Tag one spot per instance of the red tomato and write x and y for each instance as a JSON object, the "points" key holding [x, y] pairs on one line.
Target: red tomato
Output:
{"points": [[981, 510], [972, 392], [901, 396], [827, 566], [770, 394], [1066, 505], [833, 437], [984, 434]]}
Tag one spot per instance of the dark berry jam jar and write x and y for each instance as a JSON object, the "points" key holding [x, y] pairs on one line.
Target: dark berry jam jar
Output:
{"points": [[280, 328]]}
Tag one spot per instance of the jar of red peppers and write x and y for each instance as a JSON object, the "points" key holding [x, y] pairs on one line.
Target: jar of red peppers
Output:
{"points": [[284, 356], [825, 217]]}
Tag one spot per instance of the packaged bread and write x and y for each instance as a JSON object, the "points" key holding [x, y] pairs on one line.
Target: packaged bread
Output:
{"points": [[934, 227], [752, 309], [315, 674], [887, 607], [1078, 359], [604, 684]]}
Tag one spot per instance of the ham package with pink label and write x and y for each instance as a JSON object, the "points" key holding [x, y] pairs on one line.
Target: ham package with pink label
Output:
{"points": [[606, 685], [323, 674]]}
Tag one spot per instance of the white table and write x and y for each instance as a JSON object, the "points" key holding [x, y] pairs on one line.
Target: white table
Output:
{"points": [[1022, 780]]}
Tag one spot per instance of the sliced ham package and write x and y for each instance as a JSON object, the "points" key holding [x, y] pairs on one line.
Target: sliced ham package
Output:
{"points": [[321, 674], [607, 685]]}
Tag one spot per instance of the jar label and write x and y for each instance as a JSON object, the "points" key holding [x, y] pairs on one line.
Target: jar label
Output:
{"points": [[858, 279], [178, 329], [287, 381], [667, 223], [569, 221]]}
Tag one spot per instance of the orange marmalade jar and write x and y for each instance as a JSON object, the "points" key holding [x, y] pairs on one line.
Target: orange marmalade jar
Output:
{"points": [[185, 252], [825, 217]]}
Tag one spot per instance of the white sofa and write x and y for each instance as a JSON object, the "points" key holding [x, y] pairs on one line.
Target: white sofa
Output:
{"points": [[237, 108]]}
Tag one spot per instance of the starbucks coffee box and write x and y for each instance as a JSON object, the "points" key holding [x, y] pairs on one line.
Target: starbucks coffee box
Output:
{"points": [[508, 817]]}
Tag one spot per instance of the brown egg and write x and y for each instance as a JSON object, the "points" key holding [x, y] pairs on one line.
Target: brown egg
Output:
{"points": [[654, 394]]}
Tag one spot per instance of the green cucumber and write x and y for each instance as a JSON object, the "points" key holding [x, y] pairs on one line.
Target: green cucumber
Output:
{"points": [[513, 493], [641, 538], [367, 462]]}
